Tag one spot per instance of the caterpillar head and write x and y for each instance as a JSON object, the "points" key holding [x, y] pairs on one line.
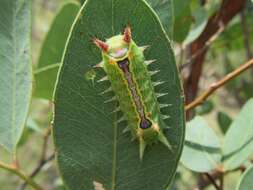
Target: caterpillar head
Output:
{"points": [[117, 47]]}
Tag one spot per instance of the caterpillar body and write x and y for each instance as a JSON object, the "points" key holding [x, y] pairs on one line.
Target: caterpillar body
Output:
{"points": [[127, 70]]}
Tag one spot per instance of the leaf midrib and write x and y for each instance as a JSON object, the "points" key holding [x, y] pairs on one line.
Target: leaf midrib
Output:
{"points": [[114, 159], [13, 118]]}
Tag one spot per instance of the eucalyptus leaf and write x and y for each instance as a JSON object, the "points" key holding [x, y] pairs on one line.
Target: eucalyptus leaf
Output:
{"points": [[200, 19], [52, 50], [224, 121], [202, 150], [205, 108], [246, 182], [91, 149], [16, 70], [238, 142], [165, 11], [82, 1], [182, 19], [31, 126]]}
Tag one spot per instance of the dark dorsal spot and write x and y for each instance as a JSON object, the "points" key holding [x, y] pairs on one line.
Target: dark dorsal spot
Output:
{"points": [[123, 64], [145, 124]]}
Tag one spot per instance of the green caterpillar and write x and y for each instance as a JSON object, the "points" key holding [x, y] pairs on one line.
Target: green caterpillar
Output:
{"points": [[126, 69]]}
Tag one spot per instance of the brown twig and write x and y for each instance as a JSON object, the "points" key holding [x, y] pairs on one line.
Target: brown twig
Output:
{"points": [[206, 45], [222, 182], [228, 9], [218, 84], [15, 161], [41, 164], [43, 159], [215, 175], [21, 174], [45, 143], [212, 180], [205, 181]]}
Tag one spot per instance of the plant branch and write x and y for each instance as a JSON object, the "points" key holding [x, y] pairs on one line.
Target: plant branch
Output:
{"points": [[198, 48], [222, 182], [19, 173], [45, 144], [212, 180], [204, 181], [40, 166], [218, 84], [43, 159], [15, 161]]}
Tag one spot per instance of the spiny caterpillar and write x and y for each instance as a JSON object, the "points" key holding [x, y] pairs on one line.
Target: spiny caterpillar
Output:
{"points": [[126, 69]]}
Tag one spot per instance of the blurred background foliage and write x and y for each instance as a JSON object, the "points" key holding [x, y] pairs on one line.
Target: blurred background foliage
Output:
{"points": [[231, 48]]}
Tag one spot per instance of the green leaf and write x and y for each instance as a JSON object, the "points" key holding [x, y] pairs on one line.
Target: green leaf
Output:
{"points": [[183, 19], [205, 108], [224, 121], [246, 182], [31, 126], [165, 11], [52, 50], [238, 142], [45, 80], [202, 150], [82, 1], [90, 147], [200, 19], [16, 70]]}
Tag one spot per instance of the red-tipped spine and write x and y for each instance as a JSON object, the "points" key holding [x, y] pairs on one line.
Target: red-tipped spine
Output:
{"points": [[100, 44], [127, 34]]}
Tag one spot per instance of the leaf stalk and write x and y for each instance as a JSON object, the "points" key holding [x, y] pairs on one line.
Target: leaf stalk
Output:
{"points": [[18, 172]]}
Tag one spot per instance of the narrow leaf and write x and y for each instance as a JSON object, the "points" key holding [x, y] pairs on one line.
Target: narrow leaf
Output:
{"points": [[92, 150], [224, 121], [52, 50], [183, 19], [200, 19], [16, 70], [205, 108], [165, 11]]}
